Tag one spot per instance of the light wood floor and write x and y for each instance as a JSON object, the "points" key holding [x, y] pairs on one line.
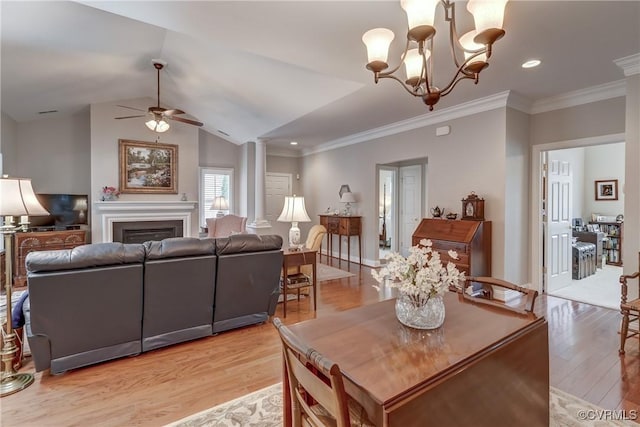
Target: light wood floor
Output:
{"points": [[164, 385]]}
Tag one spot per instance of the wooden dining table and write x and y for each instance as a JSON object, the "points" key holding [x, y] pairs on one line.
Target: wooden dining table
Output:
{"points": [[485, 366]]}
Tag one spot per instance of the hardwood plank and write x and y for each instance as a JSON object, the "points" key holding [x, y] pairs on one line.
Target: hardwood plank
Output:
{"points": [[167, 384]]}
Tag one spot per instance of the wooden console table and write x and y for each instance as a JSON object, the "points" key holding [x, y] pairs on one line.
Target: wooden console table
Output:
{"points": [[41, 241], [342, 225]]}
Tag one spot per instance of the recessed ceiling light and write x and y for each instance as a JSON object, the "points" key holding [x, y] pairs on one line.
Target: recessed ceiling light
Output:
{"points": [[293, 143], [531, 63]]}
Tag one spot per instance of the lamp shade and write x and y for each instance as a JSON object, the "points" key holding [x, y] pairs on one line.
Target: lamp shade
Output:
{"points": [[220, 204], [377, 42], [419, 12], [347, 198], [17, 198], [413, 63], [487, 14], [158, 125], [294, 210], [470, 45]]}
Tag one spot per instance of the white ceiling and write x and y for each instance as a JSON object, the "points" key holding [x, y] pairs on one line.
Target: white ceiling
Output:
{"points": [[285, 70]]}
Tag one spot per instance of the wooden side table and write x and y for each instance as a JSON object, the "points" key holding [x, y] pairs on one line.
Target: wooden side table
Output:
{"points": [[296, 259], [342, 225]]}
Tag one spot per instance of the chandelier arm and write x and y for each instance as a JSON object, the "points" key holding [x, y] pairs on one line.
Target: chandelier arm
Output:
{"points": [[453, 83], [403, 84], [459, 75], [390, 72], [454, 40]]}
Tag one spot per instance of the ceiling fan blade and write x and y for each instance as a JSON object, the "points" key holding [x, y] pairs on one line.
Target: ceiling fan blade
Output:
{"points": [[183, 120], [131, 108], [172, 112], [130, 117]]}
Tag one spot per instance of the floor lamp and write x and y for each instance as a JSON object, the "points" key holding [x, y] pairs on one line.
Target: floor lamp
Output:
{"points": [[16, 199]]}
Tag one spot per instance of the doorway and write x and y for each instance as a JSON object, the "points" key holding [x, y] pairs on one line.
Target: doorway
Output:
{"points": [[401, 200], [572, 168]]}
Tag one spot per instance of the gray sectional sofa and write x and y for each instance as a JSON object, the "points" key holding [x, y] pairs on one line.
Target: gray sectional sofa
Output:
{"points": [[103, 301]]}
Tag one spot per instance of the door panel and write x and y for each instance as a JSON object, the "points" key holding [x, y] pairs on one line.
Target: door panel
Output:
{"points": [[410, 204], [277, 186], [558, 225]]}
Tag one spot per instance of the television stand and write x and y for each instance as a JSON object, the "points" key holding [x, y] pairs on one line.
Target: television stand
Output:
{"points": [[33, 241]]}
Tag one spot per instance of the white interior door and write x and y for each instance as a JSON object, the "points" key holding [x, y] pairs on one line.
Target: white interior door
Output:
{"points": [[557, 229], [277, 186], [410, 204]]}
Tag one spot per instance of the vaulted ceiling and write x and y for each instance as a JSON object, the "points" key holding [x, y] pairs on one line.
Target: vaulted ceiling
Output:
{"points": [[285, 70]]}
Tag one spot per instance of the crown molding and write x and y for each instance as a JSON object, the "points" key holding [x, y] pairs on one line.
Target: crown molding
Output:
{"points": [[578, 97], [629, 64], [468, 108]]}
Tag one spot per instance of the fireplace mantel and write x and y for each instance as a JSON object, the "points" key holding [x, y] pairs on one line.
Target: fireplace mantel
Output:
{"points": [[159, 210]]}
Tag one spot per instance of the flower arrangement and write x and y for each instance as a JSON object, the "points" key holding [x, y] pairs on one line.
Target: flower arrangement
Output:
{"points": [[420, 275], [109, 193]]}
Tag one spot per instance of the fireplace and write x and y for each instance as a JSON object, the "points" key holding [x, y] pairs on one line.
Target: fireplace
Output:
{"points": [[143, 231], [142, 220]]}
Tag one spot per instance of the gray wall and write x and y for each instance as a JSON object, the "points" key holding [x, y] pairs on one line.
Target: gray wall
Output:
{"points": [[9, 145], [471, 158]]}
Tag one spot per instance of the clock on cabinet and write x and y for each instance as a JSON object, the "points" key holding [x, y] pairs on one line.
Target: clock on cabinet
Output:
{"points": [[473, 207]]}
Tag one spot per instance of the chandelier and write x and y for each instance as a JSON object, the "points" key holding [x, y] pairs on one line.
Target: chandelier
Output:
{"points": [[475, 46]]}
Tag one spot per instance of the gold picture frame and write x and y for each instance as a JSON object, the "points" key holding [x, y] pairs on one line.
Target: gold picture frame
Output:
{"points": [[607, 189], [148, 167]]}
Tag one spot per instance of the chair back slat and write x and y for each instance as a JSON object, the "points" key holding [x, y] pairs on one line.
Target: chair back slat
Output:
{"points": [[306, 370]]}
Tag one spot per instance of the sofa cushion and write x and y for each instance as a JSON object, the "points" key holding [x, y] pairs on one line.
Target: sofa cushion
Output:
{"points": [[241, 243], [176, 247], [85, 256]]}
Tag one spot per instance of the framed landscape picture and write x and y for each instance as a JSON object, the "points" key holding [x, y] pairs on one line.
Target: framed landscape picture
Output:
{"points": [[607, 189], [148, 167]]}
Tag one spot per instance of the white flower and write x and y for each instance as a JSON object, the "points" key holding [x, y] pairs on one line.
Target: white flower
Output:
{"points": [[421, 274]]}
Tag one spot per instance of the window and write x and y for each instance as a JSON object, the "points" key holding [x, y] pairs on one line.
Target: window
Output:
{"points": [[214, 183]]}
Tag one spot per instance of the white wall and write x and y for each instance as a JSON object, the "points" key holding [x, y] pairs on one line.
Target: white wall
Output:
{"points": [[105, 133], [53, 152], [9, 145], [602, 163]]}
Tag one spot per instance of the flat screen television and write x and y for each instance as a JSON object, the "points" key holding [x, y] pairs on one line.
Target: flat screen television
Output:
{"points": [[65, 210]]}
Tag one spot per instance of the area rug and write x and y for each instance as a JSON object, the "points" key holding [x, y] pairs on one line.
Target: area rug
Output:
{"points": [[263, 408], [326, 272]]}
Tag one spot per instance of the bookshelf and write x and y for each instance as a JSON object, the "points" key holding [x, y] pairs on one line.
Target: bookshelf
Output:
{"points": [[612, 246]]}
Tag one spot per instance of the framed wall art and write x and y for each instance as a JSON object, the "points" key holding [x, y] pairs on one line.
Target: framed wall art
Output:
{"points": [[148, 167], [607, 189]]}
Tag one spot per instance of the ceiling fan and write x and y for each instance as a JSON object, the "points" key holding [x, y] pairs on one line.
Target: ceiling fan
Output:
{"points": [[159, 115]]}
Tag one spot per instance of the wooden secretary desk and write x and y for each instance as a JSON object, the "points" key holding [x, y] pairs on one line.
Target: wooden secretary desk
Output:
{"points": [[342, 225], [470, 239]]}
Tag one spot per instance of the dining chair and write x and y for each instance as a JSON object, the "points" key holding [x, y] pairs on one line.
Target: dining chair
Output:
{"points": [[316, 387], [521, 304], [629, 310]]}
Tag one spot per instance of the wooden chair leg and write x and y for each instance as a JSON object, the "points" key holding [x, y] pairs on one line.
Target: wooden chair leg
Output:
{"points": [[624, 330]]}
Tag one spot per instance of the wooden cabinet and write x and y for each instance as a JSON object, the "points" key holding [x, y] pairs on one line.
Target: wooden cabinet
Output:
{"points": [[342, 225], [470, 239], [612, 245], [41, 241]]}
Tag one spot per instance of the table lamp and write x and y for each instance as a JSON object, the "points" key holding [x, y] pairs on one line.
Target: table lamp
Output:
{"points": [[220, 204], [347, 198], [294, 212], [16, 199]]}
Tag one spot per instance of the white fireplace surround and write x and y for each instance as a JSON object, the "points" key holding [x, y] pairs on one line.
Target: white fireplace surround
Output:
{"points": [[131, 211]]}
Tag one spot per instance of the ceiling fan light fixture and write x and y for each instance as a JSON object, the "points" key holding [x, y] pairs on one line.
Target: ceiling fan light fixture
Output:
{"points": [[158, 125]]}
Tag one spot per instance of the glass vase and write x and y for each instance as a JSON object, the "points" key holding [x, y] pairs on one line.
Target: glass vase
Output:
{"points": [[420, 313]]}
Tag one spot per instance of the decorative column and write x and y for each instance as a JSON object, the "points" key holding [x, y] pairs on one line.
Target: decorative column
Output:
{"points": [[260, 225]]}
